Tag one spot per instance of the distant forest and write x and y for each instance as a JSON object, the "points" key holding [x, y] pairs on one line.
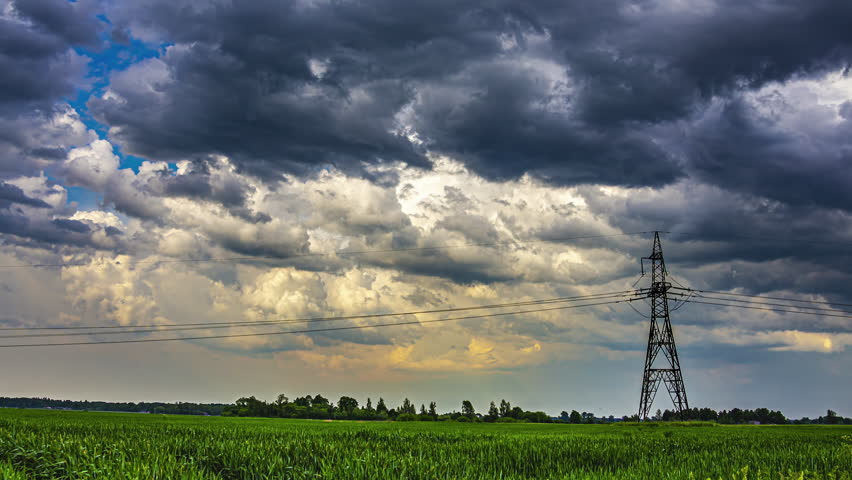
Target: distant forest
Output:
{"points": [[348, 408], [143, 407]]}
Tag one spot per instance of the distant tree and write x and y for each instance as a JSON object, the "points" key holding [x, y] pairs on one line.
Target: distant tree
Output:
{"points": [[517, 413], [777, 418], [735, 416], [252, 407], [423, 409], [433, 409], [575, 417], [282, 399], [659, 415], [467, 409], [831, 417], [303, 401], [369, 407], [407, 407], [381, 407], [537, 417], [565, 416], [320, 400], [505, 408], [347, 404], [761, 415], [493, 413]]}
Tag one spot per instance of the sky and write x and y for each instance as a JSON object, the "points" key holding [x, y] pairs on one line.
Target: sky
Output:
{"points": [[140, 140]]}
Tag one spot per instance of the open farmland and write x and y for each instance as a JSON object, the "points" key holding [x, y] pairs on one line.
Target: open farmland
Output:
{"points": [[71, 445]]}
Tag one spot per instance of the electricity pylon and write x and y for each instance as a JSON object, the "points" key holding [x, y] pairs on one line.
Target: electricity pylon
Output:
{"points": [[660, 339]]}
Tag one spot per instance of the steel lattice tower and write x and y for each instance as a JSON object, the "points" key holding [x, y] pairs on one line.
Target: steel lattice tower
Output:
{"points": [[660, 339]]}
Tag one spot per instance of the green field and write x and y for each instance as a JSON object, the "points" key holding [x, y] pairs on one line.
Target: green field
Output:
{"points": [[72, 445]]}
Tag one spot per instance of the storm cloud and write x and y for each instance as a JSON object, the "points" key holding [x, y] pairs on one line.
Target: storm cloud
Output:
{"points": [[568, 92]]}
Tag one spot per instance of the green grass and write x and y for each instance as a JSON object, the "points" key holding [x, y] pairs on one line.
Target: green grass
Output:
{"points": [[37, 444]]}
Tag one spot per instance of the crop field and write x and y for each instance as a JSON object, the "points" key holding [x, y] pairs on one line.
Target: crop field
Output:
{"points": [[81, 445]]}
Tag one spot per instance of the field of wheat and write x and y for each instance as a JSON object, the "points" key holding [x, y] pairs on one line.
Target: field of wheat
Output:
{"points": [[39, 444]]}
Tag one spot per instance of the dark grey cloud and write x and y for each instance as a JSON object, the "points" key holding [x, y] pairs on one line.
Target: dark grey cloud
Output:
{"points": [[737, 149], [31, 141], [467, 78], [74, 22], [752, 44], [230, 191], [27, 219], [262, 119], [651, 63], [501, 131], [10, 194], [38, 68], [75, 226], [720, 239], [37, 63], [53, 234]]}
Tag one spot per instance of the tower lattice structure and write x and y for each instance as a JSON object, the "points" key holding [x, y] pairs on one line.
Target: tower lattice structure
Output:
{"points": [[663, 368]]}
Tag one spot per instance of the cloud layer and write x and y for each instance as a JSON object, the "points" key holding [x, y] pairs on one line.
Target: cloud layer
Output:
{"points": [[275, 134]]}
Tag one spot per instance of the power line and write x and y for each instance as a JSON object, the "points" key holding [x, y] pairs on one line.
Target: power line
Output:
{"points": [[637, 311], [833, 310], [161, 327], [330, 329], [271, 323], [766, 297], [334, 253], [682, 302], [770, 309]]}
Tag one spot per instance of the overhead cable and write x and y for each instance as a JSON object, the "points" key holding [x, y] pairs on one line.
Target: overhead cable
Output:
{"points": [[752, 302], [330, 329], [272, 323], [770, 309], [764, 296]]}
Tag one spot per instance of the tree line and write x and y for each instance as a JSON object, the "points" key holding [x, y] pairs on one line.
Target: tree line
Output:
{"points": [[732, 416], [739, 416], [180, 408], [348, 408]]}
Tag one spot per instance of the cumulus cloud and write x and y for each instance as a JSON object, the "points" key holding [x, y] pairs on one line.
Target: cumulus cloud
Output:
{"points": [[34, 141], [91, 166], [34, 212]]}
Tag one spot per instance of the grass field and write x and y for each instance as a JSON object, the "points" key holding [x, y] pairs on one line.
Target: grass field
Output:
{"points": [[80, 445]]}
